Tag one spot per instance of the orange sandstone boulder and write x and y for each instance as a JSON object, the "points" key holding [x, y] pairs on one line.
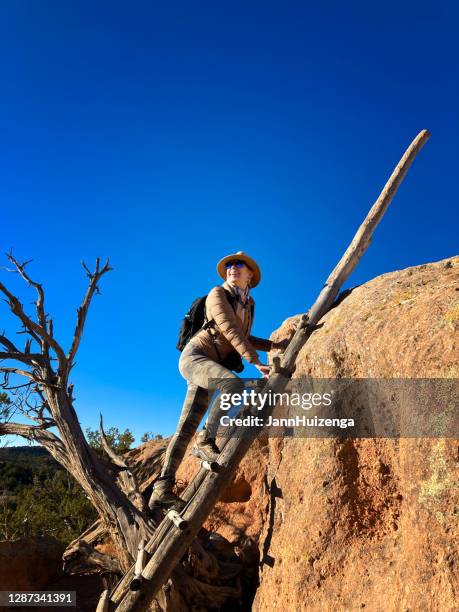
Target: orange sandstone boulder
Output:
{"points": [[354, 524]]}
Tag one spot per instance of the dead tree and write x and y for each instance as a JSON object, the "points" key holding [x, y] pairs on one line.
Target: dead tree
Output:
{"points": [[44, 367]]}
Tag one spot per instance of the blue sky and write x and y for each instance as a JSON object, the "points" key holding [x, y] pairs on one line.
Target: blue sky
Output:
{"points": [[167, 137]]}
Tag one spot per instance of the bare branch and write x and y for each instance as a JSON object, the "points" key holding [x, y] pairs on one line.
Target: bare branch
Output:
{"points": [[15, 387], [19, 372], [110, 452], [29, 358], [34, 433], [95, 533], [42, 436], [83, 309], [45, 422], [31, 333], [36, 330], [125, 479], [8, 344], [35, 412], [25, 356], [25, 431], [40, 303], [86, 269], [20, 396], [81, 558]]}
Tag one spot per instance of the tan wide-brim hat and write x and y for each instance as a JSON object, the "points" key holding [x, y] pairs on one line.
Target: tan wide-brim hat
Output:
{"points": [[243, 257]]}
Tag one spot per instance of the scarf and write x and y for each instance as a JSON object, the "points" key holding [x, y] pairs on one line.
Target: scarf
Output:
{"points": [[242, 300]]}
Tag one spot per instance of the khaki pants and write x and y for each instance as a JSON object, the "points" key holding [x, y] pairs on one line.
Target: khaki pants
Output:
{"points": [[198, 370]]}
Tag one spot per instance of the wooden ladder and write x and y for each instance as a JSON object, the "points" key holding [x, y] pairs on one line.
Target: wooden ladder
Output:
{"points": [[177, 530]]}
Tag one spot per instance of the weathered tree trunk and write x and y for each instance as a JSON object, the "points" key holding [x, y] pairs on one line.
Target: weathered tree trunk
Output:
{"points": [[126, 523], [171, 542]]}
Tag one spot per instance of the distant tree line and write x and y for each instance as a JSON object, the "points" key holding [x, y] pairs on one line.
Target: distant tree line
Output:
{"points": [[38, 497]]}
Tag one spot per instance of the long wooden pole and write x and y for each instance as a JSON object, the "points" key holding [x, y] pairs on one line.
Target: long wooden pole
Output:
{"points": [[176, 541]]}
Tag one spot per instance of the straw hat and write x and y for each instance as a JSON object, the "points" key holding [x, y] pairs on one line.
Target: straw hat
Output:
{"points": [[243, 257]]}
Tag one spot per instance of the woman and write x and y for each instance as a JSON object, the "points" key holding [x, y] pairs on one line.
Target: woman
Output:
{"points": [[203, 359]]}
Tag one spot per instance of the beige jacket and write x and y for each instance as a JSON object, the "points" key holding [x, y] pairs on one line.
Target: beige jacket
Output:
{"points": [[230, 332]]}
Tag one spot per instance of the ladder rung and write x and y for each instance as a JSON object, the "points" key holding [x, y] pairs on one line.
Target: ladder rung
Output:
{"points": [[178, 521], [210, 466]]}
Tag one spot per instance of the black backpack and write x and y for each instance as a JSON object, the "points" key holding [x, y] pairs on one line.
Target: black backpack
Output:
{"points": [[194, 321]]}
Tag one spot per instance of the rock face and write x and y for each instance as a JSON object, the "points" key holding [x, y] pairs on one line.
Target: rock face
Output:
{"points": [[29, 563], [372, 523], [353, 524], [35, 564]]}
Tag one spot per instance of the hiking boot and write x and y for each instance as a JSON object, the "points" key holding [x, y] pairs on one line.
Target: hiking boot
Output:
{"points": [[163, 496], [205, 448]]}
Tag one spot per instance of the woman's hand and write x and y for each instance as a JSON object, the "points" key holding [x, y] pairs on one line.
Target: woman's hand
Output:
{"points": [[280, 346], [264, 369]]}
